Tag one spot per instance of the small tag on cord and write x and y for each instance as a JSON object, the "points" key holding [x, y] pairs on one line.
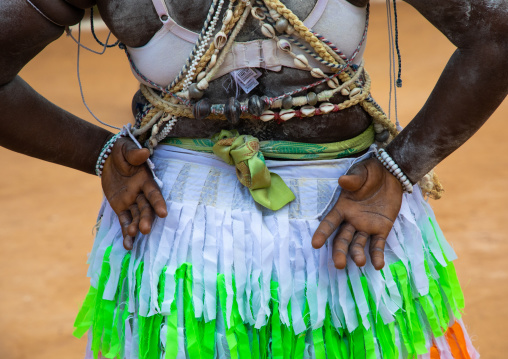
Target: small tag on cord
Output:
{"points": [[246, 78]]}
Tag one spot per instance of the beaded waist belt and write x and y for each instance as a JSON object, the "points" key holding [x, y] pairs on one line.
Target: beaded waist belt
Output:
{"points": [[247, 154]]}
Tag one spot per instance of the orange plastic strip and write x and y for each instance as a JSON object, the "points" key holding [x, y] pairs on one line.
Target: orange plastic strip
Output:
{"points": [[461, 340], [454, 346], [434, 353], [457, 342]]}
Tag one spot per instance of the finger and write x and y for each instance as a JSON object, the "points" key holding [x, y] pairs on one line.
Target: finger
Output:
{"points": [[154, 196], [357, 248], [327, 226], [354, 180], [128, 242], [125, 220], [377, 252], [134, 226], [147, 214], [341, 245], [133, 154]]}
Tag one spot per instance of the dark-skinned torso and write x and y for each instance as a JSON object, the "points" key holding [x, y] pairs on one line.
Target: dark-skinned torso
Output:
{"points": [[134, 22]]}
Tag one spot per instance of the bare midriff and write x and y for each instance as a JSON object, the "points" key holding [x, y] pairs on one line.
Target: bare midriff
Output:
{"points": [[332, 127]]}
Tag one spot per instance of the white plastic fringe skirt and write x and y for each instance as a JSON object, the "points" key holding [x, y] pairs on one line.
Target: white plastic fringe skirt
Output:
{"points": [[222, 277]]}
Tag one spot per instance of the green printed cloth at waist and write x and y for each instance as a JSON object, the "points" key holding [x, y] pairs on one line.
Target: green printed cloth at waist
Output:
{"points": [[287, 149], [247, 154]]}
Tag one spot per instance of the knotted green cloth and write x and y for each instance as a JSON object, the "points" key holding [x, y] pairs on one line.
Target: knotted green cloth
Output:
{"points": [[246, 154], [266, 188]]}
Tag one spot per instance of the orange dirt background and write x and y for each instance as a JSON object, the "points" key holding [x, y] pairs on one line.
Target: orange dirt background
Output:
{"points": [[47, 212]]}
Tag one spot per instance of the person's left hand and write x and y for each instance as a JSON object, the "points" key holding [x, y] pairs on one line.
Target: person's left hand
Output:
{"points": [[367, 208], [131, 191]]}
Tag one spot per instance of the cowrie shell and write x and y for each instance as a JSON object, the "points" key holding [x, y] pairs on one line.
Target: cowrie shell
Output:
{"points": [[284, 45], [203, 85], [274, 14], [201, 75], [220, 40], [317, 72], [354, 92], [212, 62], [344, 92], [258, 13], [267, 116], [326, 107], [287, 114], [227, 17], [301, 62], [290, 29], [268, 30], [308, 111], [333, 83]]}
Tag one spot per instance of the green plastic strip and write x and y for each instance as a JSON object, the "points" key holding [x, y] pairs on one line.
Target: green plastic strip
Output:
{"points": [[101, 310], [256, 354], [370, 345], [386, 337], [274, 340], [118, 336], [172, 330], [455, 286], [431, 316], [193, 331], [300, 339], [242, 336], [230, 331], [149, 327], [277, 351], [404, 333], [319, 343], [356, 344], [444, 282], [263, 341], [437, 300], [84, 319], [331, 336]]}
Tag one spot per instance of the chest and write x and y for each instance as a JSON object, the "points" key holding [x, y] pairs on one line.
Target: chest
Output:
{"points": [[135, 22]]}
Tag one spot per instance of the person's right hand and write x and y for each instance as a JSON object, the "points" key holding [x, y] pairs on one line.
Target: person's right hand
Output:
{"points": [[131, 191]]}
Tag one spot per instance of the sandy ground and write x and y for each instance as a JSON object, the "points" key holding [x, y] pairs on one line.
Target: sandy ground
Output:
{"points": [[47, 212]]}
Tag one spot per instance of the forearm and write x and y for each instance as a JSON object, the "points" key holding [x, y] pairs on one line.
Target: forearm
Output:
{"points": [[32, 125], [471, 87]]}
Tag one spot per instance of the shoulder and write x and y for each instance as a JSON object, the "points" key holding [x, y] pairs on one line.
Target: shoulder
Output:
{"points": [[133, 22], [63, 12], [359, 3]]}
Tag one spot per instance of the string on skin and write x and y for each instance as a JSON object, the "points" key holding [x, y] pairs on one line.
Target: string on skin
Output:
{"points": [[327, 54], [92, 28]]}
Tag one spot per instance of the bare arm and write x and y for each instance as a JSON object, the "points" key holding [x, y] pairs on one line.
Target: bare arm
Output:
{"points": [[471, 87], [473, 84], [32, 125]]}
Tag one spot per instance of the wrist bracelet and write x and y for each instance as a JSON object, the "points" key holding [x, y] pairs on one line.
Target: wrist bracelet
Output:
{"points": [[394, 169], [105, 152]]}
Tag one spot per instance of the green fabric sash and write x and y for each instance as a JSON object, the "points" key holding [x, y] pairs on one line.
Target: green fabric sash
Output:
{"points": [[247, 154], [266, 188], [287, 150]]}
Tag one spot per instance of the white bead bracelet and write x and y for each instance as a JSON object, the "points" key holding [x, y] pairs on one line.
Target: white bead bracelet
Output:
{"points": [[105, 152], [394, 169]]}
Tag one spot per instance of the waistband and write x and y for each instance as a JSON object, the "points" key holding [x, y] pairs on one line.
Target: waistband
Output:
{"points": [[288, 149]]}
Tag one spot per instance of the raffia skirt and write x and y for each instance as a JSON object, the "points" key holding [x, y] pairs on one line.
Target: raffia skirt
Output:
{"points": [[222, 277]]}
